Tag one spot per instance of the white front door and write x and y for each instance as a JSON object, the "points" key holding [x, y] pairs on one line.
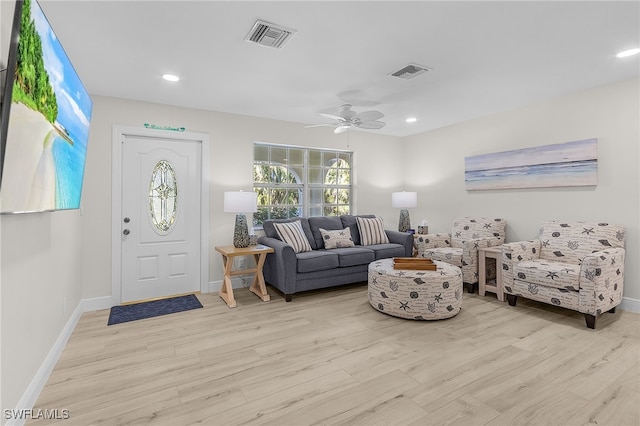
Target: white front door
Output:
{"points": [[160, 217]]}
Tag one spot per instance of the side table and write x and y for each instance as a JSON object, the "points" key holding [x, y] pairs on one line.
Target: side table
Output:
{"points": [[258, 286], [493, 286]]}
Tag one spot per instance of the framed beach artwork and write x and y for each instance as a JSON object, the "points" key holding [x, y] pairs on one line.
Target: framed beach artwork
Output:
{"points": [[564, 164]]}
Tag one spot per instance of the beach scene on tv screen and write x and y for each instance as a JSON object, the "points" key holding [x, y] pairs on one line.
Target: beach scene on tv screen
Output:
{"points": [[48, 125]]}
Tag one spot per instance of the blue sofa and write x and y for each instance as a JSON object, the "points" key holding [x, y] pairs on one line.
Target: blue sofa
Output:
{"points": [[292, 272]]}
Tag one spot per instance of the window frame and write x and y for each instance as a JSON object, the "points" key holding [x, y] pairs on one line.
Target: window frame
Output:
{"points": [[319, 160]]}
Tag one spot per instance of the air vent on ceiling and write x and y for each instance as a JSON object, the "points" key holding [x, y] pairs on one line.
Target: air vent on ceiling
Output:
{"points": [[410, 71], [270, 35]]}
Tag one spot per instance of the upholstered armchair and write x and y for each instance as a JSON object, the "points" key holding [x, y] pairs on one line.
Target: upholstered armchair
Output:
{"points": [[460, 247], [575, 265]]}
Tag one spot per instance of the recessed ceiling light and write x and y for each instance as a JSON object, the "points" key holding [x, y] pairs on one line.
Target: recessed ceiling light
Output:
{"points": [[629, 52], [171, 77], [411, 120]]}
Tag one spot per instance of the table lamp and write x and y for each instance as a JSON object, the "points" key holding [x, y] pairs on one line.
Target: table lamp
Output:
{"points": [[240, 202], [404, 200]]}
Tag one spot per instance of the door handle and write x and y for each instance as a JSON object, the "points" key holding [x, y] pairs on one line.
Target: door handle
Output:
{"points": [[126, 232]]}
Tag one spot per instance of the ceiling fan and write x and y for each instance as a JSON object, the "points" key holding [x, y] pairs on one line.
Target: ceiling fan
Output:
{"points": [[347, 119]]}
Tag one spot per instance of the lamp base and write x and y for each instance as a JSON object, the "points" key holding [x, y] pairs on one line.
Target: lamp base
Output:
{"points": [[241, 232], [404, 224]]}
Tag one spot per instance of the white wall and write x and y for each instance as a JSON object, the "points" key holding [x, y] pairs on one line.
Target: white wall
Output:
{"points": [[378, 159], [40, 280], [435, 167]]}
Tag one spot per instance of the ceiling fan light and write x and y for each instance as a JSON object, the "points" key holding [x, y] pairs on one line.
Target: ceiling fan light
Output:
{"points": [[629, 52], [171, 77], [411, 120]]}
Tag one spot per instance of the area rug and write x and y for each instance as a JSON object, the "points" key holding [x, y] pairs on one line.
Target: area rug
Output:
{"points": [[154, 308]]}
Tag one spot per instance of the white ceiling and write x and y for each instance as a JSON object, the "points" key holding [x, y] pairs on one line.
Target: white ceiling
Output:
{"points": [[486, 56]]}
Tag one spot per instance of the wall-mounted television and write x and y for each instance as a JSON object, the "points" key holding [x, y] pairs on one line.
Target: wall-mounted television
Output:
{"points": [[46, 112]]}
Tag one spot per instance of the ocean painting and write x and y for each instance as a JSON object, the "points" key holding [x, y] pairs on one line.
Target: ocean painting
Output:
{"points": [[564, 164], [48, 125]]}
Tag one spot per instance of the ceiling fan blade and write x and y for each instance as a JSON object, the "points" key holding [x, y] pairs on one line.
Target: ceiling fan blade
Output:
{"points": [[369, 116], [321, 125], [332, 116], [344, 112], [371, 125]]}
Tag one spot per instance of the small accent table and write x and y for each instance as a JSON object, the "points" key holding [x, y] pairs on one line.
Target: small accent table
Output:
{"points": [[258, 286], [493, 286]]}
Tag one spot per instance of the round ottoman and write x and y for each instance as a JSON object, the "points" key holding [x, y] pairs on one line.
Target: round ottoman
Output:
{"points": [[411, 294]]}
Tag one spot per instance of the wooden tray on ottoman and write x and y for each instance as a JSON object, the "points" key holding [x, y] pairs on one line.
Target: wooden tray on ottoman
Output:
{"points": [[414, 263]]}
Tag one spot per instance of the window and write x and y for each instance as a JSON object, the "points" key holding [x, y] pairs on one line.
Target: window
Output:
{"points": [[295, 181]]}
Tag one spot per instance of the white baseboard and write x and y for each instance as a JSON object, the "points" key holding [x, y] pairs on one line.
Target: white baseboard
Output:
{"points": [[96, 304], [32, 392], [631, 305]]}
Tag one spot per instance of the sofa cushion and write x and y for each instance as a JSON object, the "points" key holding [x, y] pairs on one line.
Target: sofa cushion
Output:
{"points": [[340, 238], [351, 222], [330, 223], [292, 234], [270, 230], [316, 260], [550, 274], [384, 251], [354, 256], [371, 231]]}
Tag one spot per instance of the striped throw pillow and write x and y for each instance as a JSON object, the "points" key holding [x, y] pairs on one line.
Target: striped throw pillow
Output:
{"points": [[292, 234], [371, 231]]}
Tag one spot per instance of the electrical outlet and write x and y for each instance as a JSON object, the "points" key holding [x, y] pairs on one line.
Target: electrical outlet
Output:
{"points": [[241, 262]]}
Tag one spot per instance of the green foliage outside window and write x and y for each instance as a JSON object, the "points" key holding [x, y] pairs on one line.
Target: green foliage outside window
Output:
{"points": [[33, 87]]}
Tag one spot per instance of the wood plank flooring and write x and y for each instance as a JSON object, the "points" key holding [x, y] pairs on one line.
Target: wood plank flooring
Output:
{"points": [[329, 358]]}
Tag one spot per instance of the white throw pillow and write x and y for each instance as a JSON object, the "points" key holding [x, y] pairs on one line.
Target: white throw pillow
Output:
{"points": [[339, 238], [292, 234], [371, 231]]}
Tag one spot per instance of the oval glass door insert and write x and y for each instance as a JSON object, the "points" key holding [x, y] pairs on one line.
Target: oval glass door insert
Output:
{"points": [[163, 197]]}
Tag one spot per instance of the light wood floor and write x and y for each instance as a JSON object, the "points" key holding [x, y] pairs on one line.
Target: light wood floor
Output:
{"points": [[329, 358]]}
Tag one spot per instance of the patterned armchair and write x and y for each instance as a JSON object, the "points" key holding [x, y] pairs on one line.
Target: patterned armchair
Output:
{"points": [[575, 265], [460, 248]]}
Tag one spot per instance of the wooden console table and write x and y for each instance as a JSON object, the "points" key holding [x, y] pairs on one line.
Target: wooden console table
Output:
{"points": [[258, 286]]}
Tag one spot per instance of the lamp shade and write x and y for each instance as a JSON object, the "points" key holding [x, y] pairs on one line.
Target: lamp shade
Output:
{"points": [[404, 200], [240, 202]]}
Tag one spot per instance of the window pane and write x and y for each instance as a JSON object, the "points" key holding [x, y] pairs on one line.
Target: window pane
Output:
{"points": [[296, 157], [278, 196], [316, 175], [315, 158], [260, 173], [315, 196], [344, 177], [278, 155], [343, 196], [260, 153], [343, 210], [263, 196], [315, 211], [330, 211], [163, 197], [345, 158], [330, 196]]}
